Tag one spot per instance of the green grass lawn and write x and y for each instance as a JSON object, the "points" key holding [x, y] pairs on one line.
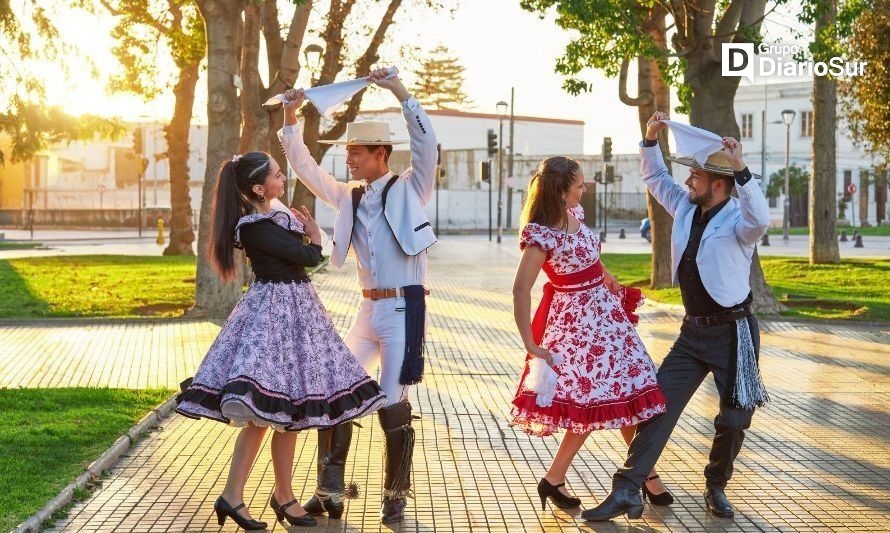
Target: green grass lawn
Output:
{"points": [[6, 245], [96, 286], [125, 286], [870, 231], [49, 436], [855, 289]]}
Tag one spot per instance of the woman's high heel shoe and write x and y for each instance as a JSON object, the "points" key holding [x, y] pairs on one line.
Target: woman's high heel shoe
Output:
{"points": [[305, 520], [546, 490], [225, 510], [665, 498]]}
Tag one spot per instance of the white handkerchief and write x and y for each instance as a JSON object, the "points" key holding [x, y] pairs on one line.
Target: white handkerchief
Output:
{"points": [[327, 98], [694, 142], [542, 379]]}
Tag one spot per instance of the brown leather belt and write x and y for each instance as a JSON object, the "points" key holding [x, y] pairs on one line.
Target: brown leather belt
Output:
{"points": [[381, 294]]}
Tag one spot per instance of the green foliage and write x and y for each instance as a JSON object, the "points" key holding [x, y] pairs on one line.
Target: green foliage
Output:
{"points": [[144, 25], [33, 127], [608, 32], [48, 437], [798, 182], [28, 36], [865, 98]]}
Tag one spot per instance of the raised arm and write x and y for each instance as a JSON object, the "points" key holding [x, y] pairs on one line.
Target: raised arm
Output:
{"points": [[655, 175], [420, 130], [753, 206], [320, 183]]}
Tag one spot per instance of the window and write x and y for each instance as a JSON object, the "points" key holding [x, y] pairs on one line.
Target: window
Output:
{"points": [[747, 125], [806, 124]]}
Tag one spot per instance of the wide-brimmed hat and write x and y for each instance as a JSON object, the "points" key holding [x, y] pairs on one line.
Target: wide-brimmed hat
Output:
{"points": [[367, 133], [718, 163]]}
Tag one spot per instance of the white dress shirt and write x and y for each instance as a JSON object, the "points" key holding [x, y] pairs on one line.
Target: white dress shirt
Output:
{"points": [[381, 262]]}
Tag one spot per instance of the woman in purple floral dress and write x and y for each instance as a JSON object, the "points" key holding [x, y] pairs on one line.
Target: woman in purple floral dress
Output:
{"points": [[278, 361]]}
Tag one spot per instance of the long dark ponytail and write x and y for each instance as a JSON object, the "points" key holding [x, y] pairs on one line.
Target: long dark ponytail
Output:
{"points": [[231, 201]]}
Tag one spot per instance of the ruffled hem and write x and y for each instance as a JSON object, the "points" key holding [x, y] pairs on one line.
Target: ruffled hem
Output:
{"points": [[544, 421], [269, 408]]}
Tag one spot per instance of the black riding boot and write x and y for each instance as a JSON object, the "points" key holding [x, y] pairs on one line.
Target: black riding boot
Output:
{"points": [[333, 448], [396, 423]]}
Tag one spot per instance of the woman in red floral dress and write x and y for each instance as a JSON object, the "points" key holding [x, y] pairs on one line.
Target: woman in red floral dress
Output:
{"points": [[605, 379]]}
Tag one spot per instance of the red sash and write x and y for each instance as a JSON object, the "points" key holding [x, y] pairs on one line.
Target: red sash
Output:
{"points": [[591, 277]]}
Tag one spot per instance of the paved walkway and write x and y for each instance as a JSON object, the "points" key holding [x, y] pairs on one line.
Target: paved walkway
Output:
{"points": [[61, 242], [817, 458]]}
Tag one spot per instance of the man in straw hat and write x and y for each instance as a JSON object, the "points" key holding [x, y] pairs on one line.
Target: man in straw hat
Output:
{"points": [[381, 216], [712, 243]]}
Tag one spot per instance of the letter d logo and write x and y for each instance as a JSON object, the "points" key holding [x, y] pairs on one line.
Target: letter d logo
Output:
{"points": [[737, 59]]}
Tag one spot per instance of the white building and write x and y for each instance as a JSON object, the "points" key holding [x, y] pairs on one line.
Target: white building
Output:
{"points": [[766, 153], [463, 200]]}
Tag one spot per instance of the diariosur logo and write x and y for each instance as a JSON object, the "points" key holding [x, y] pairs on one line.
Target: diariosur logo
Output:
{"points": [[739, 60]]}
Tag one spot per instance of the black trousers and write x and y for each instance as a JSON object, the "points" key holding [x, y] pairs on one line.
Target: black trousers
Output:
{"points": [[697, 351]]}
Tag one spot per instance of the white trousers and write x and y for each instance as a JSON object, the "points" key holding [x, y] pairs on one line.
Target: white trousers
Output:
{"points": [[378, 341]]}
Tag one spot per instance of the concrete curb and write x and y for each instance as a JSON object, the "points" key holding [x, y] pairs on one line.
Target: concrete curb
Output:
{"points": [[94, 471]]}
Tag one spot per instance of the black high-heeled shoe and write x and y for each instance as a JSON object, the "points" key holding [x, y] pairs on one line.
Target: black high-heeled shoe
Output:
{"points": [[305, 520], [546, 490], [225, 510], [665, 498]]}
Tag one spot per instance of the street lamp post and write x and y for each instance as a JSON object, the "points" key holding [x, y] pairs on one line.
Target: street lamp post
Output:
{"points": [[502, 110], [787, 118], [510, 164]]}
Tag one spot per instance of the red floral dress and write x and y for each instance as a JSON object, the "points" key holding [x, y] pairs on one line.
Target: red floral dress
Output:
{"points": [[606, 379]]}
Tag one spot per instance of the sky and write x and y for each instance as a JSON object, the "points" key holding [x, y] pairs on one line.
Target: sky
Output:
{"points": [[499, 44]]}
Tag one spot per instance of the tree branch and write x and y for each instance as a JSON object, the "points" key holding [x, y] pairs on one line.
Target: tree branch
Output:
{"points": [[726, 27], [362, 68], [645, 97], [289, 60]]}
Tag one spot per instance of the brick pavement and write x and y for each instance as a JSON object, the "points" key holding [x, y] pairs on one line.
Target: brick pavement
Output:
{"points": [[817, 458]]}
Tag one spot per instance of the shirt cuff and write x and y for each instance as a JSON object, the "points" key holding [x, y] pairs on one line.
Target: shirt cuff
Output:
{"points": [[410, 104], [293, 129], [649, 144], [742, 176]]}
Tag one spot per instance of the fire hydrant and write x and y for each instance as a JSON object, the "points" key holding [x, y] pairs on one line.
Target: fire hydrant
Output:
{"points": [[160, 231]]}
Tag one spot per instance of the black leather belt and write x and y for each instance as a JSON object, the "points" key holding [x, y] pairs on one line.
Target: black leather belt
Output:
{"points": [[720, 318]]}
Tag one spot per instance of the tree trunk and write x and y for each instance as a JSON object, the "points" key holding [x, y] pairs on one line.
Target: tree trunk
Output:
{"points": [[711, 108], [823, 180], [649, 78], [284, 61], [255, 129], [182, 234], [222, 20]]}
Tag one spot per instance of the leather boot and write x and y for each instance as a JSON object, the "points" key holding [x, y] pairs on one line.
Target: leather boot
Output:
{"points": [[331, 491], [395, 420]]}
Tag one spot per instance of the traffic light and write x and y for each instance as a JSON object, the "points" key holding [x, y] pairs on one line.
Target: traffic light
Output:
{"points": [[137, 141], [607, 148], [492, 143], [485, 170]]}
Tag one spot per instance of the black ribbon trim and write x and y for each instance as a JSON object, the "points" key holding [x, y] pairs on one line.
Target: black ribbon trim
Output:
{"points": [[306, 408]]}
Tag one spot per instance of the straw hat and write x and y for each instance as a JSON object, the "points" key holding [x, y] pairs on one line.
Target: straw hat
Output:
{"points": [[366, 133], [718, 163]]}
